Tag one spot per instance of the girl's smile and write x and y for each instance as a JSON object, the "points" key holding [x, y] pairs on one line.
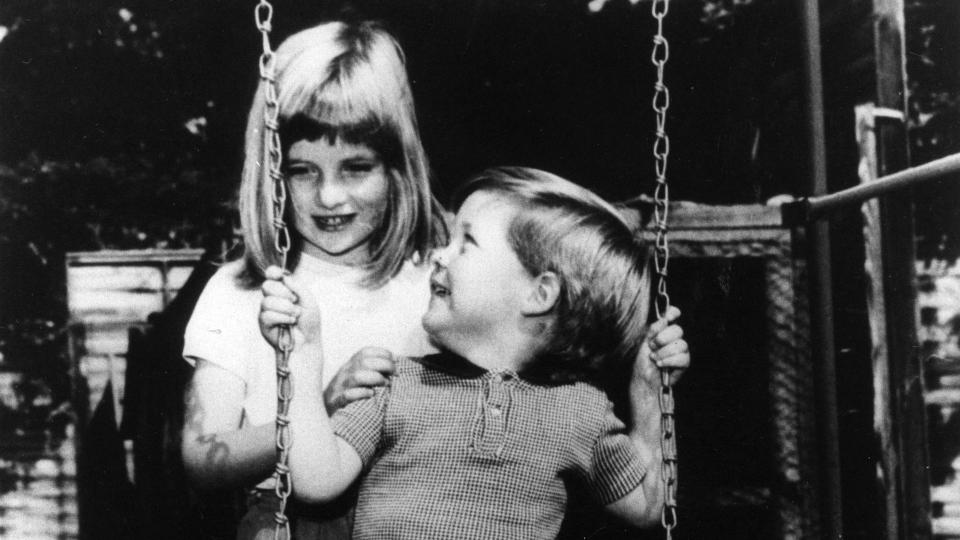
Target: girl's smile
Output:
{"points": [[333, 223]]}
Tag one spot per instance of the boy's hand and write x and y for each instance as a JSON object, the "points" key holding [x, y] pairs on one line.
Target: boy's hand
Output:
{"points": [[368, 368], [664, 347], [285, 302]]}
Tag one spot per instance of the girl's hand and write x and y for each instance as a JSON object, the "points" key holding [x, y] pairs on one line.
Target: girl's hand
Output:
{"points": [[285, 302], [664, 347], [368, 368]]}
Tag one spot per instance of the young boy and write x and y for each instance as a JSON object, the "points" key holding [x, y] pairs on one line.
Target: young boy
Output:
{"points": [[541, 288]]}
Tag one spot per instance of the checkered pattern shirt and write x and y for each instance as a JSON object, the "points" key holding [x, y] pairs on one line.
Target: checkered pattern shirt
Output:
{"points": [[456, 451]]}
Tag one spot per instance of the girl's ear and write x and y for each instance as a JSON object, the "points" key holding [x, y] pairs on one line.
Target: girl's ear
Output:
{"points": [[543, 295]]}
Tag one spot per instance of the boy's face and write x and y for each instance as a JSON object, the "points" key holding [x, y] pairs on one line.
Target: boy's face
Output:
{"points": [[478, 281]]}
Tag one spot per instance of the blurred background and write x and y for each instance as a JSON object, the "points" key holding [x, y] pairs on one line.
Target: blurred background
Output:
{"points": [[121, 126]]}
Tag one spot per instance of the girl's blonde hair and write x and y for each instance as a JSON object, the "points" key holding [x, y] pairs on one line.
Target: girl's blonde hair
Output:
{"points": [[350, 80], [560, 227]]}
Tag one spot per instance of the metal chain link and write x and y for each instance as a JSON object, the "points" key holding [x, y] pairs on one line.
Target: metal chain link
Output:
{"points": [[283, 486], [661, 258]]}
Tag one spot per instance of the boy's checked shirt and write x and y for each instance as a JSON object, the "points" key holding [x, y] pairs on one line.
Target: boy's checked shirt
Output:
{"points": [[452, 450]]}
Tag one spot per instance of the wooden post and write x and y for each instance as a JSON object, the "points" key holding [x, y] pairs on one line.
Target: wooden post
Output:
{"points": [[883, 422], [904, 436]]}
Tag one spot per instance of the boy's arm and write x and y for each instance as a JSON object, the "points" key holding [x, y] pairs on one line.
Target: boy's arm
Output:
{"points": [[322, 465], [643, 505]]}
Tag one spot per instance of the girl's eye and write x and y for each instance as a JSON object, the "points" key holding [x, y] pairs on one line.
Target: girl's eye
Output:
{"points": [[300, 173], [359, 168]]}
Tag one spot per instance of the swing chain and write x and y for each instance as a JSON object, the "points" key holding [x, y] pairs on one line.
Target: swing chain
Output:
{"points": [[661, 258], [283, 486]]}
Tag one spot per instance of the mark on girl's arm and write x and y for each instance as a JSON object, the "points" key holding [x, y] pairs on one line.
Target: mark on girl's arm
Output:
{"points": [[217, 452]]}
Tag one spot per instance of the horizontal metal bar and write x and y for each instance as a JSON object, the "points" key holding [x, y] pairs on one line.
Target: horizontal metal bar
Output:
{"points": [[144, 257], [812, 208]]}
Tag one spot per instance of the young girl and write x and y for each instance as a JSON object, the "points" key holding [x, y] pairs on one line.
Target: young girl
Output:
{"points": [[362, 219], [541, 289]]}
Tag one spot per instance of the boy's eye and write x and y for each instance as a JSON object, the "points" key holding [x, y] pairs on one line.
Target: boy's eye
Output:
{"points": [[467, 239]]}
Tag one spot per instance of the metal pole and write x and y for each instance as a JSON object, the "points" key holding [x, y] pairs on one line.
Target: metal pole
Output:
{"points": [[811, 208], [930, 171], [821, 284]]}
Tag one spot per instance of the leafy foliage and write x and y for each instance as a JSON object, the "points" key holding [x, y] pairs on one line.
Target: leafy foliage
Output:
{"points": [[933, 54]]}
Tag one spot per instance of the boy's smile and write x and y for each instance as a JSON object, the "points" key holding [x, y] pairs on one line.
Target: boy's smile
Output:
{"points": [[437, 288], [478, 281]]}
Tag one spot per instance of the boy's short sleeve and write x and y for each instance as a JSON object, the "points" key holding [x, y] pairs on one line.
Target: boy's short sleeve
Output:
{"points": [[615, 466], [360, 423]]}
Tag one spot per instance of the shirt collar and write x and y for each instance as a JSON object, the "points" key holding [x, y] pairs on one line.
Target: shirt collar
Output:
{"points": [[458, 366]]}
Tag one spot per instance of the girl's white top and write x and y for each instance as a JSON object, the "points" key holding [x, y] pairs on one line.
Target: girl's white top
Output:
{"points": [[224, 328]]}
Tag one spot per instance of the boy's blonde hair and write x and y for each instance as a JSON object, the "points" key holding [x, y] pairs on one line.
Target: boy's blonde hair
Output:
{"points": [[560, 227], [348, 80]]}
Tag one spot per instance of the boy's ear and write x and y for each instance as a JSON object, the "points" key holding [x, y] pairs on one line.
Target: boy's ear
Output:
{"points": [[543, 295]]}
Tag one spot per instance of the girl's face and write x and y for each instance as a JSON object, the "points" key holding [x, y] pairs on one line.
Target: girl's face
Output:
{"points": [[338, 193]]}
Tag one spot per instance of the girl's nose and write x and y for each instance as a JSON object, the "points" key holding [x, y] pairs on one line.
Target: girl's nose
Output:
{"points": [[330, 192]]}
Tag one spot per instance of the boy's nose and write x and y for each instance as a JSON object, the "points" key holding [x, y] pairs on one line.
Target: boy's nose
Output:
{"points": [[439, 256]]}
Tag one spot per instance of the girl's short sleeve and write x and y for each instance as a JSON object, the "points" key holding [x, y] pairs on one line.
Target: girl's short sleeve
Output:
{"points": [[222, 323]]}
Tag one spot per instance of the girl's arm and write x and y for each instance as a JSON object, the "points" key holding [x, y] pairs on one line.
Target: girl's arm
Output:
{"points": [[642, 506], [355, 380], [216, 452], [322, 466]]}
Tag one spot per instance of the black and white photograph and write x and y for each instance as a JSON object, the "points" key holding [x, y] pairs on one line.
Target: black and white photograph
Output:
{"points": [[480, 269]]}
